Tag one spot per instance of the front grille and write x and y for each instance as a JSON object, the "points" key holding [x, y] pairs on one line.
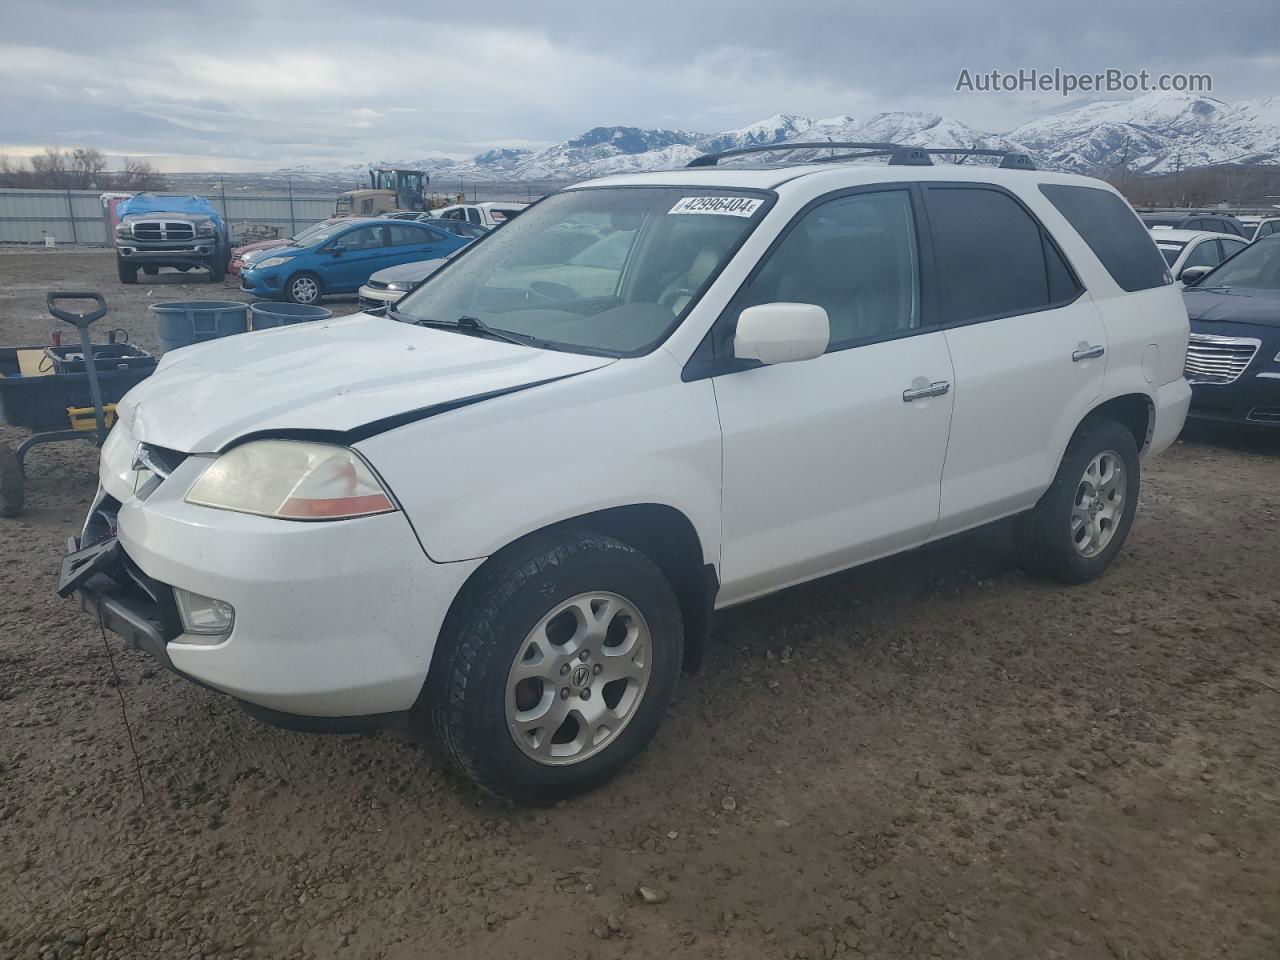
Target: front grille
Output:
{"points": [[1214, 359], [163, 230], [1265, 415], [159, 460]]}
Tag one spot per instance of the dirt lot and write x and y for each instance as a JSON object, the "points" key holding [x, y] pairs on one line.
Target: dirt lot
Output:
{"points": [[932, 756]]}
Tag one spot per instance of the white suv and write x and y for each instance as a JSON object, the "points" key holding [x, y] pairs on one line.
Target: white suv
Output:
{"points": [[505, 512]]}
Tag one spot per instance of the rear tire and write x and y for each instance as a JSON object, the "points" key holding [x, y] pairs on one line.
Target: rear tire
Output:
{"points": [[217, 270], [12, 485], [127, 271], [1081, 522], [532, 742]]}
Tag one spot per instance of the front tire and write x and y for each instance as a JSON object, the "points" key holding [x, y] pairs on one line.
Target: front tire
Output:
{"points": [[1081, 522], [217, 269], [127, 271], [303, 288], [555, 667]]}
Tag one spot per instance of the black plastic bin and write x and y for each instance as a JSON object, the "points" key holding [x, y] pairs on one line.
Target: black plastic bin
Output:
{"points": [[270, 314], [106, 356], [181, 323], [40, 403]]}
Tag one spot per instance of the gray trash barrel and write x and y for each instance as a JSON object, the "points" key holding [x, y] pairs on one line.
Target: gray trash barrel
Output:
{"points": [[181, 323], [270, 314]]}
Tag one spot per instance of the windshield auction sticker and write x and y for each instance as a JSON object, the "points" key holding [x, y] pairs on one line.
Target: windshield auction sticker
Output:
{"points": [[725, 206]]}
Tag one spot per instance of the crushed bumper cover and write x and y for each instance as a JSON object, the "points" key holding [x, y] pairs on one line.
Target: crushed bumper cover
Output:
{"points": [[111, 589]]}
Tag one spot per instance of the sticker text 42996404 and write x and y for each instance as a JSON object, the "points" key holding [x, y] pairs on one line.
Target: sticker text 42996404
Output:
{"points": [[724, 206]]}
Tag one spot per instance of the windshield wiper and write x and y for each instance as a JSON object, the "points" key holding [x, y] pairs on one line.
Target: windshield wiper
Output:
{"points": [[475, 325]]}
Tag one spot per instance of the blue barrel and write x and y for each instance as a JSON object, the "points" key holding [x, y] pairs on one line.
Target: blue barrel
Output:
{"points": [[181, 323], [270, 314]]}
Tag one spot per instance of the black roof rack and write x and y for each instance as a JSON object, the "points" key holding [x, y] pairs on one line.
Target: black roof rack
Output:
{"points": [[898, 154]]}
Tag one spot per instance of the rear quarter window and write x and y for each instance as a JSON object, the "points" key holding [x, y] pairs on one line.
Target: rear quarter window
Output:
{"points": [[1115, 235]]}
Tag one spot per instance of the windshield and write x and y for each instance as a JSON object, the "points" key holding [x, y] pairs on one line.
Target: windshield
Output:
{"points": [[320, 233], [306, 234], [1256, 267], [609, 270], [1170, 250]]}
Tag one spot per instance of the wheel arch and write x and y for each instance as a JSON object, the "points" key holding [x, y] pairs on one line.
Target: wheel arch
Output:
{"points": [[667, 537], [1134, 411]]}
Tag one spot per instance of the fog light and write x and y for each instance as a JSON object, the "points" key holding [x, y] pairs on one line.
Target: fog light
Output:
{"points": [[204, 616]]}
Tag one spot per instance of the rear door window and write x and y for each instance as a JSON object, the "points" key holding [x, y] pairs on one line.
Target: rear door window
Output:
{"points": [[1116, 237], [993, 258]]}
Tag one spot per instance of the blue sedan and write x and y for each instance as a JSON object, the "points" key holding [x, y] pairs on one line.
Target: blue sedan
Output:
{"points": [[340, 258]]}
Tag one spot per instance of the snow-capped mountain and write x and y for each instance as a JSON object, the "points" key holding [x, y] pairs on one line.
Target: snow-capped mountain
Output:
{"points": [[1157, 132], [776, 129], [923, 129]]}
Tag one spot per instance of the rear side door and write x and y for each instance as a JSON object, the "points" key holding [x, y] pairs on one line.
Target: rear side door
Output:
{"points": [[411, 243], [836, 460], [1027, 344]]}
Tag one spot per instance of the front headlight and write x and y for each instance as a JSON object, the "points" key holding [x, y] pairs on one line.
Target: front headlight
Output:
{"points": [[124, 230], [399, 285], [292, 480], [204, 229], [268, 262]]}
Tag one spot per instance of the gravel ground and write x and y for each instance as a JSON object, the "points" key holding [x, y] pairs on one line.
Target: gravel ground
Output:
{"points": [[930, 756]]}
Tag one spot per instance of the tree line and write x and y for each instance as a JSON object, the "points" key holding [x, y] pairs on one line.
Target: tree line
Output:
{"points": [[1246, 187], [83, 168]]}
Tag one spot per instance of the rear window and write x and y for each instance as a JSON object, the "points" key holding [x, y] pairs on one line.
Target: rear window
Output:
{"points": [[993, 258], [1116, 237]]}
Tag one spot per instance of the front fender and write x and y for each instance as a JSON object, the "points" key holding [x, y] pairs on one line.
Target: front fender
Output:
{"points": [[474, 479]]}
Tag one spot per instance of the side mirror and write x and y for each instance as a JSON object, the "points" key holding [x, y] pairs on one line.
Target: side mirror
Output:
{"points": [[1192, 275], [782, 333]]}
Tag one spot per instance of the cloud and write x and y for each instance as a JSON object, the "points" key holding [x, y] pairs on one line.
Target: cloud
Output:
{"points": [[265, 85]]}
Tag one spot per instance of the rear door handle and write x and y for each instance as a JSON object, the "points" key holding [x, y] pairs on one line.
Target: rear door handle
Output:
{"points": [[1088, 353], [936, 389]]}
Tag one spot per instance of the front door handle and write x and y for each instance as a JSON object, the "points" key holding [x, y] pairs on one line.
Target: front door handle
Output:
{"points": [[936, 389], [1088, 353]]}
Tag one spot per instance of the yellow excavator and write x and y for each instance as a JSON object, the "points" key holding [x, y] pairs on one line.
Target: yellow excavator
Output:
{"points": [[390, 190]]}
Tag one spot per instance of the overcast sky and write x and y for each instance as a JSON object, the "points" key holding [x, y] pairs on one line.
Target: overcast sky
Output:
{"points": [[234, 85]]}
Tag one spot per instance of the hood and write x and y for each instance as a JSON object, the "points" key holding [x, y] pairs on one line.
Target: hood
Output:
{"points": [[412, 272], [1260, 307], [260, 245], [331, 375]]}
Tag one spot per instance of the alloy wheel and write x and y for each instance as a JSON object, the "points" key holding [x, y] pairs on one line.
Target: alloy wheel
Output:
{"points": [[1098, 504], [304, 290], [578, 678]]}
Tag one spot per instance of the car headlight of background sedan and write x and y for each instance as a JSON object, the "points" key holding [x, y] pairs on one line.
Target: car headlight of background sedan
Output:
{"points": [[292, 480], [268, 262], [400, 286]]}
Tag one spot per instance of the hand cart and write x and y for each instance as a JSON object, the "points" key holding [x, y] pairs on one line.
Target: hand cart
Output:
{"points": [[62, 393]]}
